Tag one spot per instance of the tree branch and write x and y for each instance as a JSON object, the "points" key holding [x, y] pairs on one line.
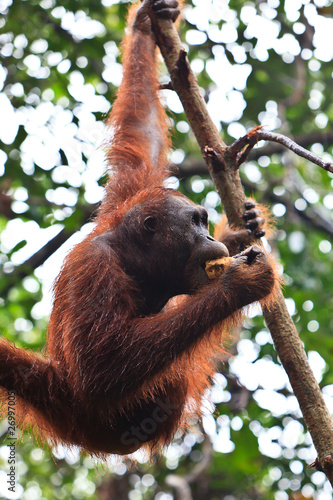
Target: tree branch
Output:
{"points": [[296, 148], [310, 215], [222, 163], [242, 147], [36, 260], [304, 140], [202, 466], [181, 484]]}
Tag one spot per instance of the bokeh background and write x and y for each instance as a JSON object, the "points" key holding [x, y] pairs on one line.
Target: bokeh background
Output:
{"points": [[257, 62]]}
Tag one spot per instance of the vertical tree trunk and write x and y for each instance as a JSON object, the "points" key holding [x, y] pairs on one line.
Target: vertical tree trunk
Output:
{"points": [[223, 166]]}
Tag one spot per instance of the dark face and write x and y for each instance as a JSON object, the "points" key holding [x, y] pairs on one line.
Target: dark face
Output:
{"points": [[189, 225], [164, 245]]}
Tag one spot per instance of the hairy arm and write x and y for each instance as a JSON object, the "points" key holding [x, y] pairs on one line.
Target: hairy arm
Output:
{"points": [[122, 351], [139, 138]]}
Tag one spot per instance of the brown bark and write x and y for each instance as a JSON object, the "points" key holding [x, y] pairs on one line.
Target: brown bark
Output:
{"points": [[223, 163]]}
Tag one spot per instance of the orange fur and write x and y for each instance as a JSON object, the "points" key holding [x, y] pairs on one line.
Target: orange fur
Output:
{"points": [[121, 371]]}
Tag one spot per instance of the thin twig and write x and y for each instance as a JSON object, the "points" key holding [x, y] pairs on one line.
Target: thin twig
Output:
{"points": [[304, 140], [202, 466], [181, 484], [166, 86], [242, 147], [290, 144]]}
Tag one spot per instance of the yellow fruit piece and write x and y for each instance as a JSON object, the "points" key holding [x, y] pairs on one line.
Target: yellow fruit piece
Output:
{"points": [[215, 268]]}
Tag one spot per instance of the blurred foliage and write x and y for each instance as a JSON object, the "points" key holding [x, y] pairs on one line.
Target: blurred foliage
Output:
{"points": [[60, 68]]}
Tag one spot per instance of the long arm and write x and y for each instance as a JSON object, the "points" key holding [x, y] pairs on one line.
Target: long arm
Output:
{"points": [[139, 134], [122, 351], [39, 383]]}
